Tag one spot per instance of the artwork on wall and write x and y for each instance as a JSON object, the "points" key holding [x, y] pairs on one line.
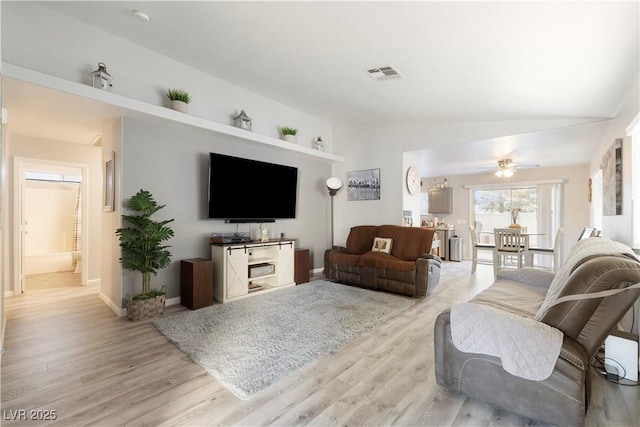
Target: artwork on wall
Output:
{"points": [[364, 184], [612, 179], [109, 191]]}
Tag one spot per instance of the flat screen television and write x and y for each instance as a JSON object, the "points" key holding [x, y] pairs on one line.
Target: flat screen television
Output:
{"points": [[242, 190]]}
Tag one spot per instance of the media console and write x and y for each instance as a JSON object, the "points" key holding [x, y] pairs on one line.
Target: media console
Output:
{"points": [[245, 269]]}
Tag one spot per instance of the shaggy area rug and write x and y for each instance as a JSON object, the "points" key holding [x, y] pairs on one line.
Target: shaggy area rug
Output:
{"points": [[250, 344]]}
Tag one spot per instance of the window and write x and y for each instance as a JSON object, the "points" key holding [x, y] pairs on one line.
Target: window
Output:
{"points": [[33, 175], [539, 211]]}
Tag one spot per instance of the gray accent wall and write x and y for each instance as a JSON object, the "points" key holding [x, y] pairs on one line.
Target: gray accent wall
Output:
{"points": [[171, 160]]}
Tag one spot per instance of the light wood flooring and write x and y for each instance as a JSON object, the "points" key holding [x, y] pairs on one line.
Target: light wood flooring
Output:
{"points": [[65, 351], [63, 279]]}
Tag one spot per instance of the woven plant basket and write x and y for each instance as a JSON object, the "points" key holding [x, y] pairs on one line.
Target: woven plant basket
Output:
{"points": [[145, 308]]}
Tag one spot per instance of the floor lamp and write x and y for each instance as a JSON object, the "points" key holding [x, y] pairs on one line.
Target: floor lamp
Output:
{"points": [[333, 185]]}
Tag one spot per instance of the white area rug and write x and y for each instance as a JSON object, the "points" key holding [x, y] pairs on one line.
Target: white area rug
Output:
{"points": [[250, 344]]}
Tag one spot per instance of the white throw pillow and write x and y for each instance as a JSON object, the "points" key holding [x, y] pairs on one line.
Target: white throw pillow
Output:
{"points": [[380, 244]]}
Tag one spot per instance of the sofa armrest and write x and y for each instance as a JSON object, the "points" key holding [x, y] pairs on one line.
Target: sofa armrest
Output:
{"points": [[432, 256], [427, 274], [327, 256], [528, 275]]}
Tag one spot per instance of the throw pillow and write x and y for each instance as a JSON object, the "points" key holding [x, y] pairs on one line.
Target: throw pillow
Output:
{"points": [[381, 244]]}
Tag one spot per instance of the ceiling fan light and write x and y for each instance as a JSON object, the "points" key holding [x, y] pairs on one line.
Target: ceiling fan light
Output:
{"points": [[508, 173], [499, 173]]}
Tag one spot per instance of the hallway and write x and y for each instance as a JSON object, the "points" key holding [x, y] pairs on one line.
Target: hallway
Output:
{"points": [[64, 279]]}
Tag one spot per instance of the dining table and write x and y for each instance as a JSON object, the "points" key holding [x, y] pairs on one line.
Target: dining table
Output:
{"points": [[526, 236]]}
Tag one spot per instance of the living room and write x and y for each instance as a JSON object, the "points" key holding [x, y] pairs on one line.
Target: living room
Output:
{"points": [[168, 155]]}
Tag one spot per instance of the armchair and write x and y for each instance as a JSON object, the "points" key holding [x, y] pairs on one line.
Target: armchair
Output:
{"points": [[572, 304]]}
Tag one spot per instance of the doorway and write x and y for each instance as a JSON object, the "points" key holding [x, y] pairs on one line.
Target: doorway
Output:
{"points": [[49, 211]]}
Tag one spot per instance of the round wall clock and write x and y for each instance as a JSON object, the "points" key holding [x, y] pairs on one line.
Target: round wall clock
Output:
{"points": [[413, 180]]}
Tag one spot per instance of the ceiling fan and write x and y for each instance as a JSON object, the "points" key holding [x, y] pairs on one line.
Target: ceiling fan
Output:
{"points": [[506, 168]]}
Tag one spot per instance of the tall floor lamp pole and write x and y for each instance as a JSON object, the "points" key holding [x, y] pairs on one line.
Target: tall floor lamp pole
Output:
{"points": [[333, 185]]}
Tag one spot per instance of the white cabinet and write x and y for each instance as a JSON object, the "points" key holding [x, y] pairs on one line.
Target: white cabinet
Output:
{"points": [[245, 269]]}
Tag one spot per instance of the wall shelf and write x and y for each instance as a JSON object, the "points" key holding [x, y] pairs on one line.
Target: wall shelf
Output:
{"points": [[131, 106]]}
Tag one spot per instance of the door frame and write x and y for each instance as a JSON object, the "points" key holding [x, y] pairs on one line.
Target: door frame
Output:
{"points": [[20, 166]]}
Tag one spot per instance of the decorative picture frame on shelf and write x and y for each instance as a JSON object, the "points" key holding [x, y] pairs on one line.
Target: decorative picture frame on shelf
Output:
{"points": [[364, 184], [109, 179]]}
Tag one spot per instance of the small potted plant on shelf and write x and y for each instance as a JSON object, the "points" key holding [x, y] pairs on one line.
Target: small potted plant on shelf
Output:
{"points": [[288, 133], [179, 99], [143, 251]]}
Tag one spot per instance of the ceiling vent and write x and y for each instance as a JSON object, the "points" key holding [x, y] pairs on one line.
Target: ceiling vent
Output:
{"points": [[384, 73]]}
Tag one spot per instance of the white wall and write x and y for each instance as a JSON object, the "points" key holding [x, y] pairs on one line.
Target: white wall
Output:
{"points": [[110, 271], [41, 39], [619, 227]]}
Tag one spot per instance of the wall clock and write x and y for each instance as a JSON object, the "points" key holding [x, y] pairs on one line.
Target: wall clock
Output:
{"points": [[413, 180]]}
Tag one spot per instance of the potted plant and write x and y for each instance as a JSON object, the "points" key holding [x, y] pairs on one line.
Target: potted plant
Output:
{"points": [[288, 133], [179, 99], [143, 251]]}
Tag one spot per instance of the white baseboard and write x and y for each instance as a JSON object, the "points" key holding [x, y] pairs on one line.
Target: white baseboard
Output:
{"points": [[117, 310], [172, 301], [93, 282], [318, 270]]}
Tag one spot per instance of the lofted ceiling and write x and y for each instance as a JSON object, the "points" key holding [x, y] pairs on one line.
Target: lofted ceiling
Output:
{"points": [[461, 61]]}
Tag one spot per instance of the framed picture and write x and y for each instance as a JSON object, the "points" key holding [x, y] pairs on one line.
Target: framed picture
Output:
{"points": [[109, 178], [612, 179], [364, 184]]}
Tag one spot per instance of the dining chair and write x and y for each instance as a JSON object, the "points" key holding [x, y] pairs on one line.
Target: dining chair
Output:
{"points": [[554, 251], [475, 247], [586, 232], [509, 243]]}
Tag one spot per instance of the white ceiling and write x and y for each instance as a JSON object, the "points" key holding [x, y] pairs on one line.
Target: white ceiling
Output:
{"points": [[462, 61]]}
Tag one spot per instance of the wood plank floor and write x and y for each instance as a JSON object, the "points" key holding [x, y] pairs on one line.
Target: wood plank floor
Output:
{"points": [[65, 351]]}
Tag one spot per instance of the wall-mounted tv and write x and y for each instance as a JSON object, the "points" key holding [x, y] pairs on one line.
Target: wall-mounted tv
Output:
{"points": [[242, 190]]}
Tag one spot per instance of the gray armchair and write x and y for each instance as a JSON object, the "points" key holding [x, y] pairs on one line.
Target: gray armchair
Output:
{"points": [[562, 398]]}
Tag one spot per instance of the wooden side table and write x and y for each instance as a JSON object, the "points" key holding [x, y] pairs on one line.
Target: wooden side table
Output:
{"points": [[301, 266], [196, 282]]}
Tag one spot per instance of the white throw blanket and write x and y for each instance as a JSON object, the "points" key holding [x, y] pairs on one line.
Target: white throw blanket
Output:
{"points": [[527, 348]]}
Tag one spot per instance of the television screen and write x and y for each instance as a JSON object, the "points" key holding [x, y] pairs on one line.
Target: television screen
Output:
{"points": [[242, 190]]}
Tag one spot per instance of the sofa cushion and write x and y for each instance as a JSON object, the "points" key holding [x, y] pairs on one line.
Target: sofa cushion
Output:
{"points": [[513, 297], [360, 239], [383, 260], [409, 243], [381, 244]]}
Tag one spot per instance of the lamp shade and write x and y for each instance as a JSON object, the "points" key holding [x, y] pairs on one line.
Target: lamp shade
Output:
{"points": [[334, 183]]}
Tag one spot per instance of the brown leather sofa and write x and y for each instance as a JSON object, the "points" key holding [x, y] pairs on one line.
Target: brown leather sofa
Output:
{"points": [[593, 265], [409, 268]]}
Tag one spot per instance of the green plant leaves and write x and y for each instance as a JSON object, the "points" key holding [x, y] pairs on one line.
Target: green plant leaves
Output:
{"points": [[141, 242]]}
